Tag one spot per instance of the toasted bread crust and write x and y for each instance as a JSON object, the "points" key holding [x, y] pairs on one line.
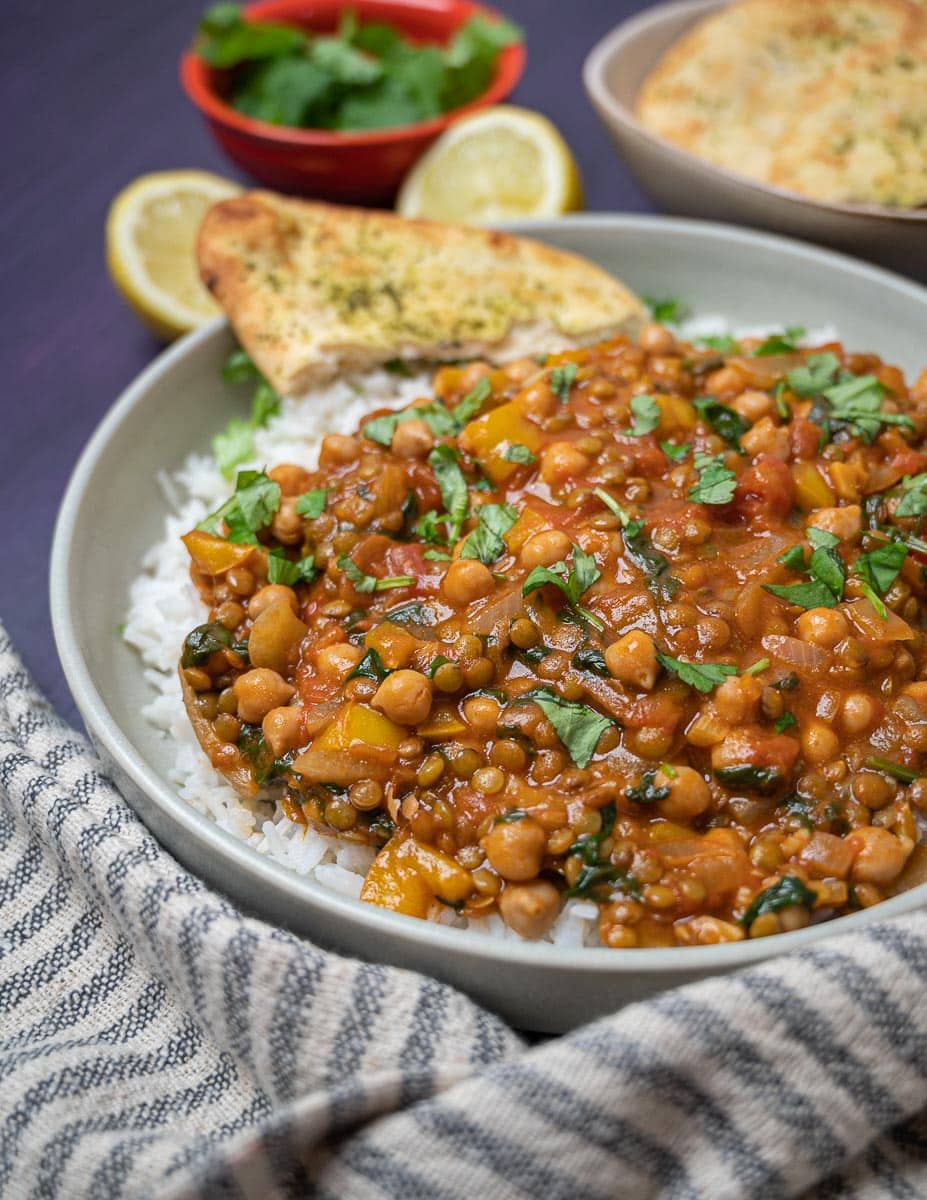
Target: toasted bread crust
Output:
{"points": [[313, 289]]}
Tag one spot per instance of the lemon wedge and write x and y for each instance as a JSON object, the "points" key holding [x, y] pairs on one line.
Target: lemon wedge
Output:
{"points": [[151, 233], [500, 164]]}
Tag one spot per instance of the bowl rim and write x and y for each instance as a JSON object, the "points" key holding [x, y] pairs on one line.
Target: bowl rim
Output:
{"points": [[303, 891], [623, 38], [195, 78]]}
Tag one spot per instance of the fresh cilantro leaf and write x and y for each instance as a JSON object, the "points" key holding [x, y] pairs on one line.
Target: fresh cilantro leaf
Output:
{"points": [[439, 419], [716, 483], [369, 583], [727, 423], [517, 453], [826, 569], [702, 676], [781, 343], [806, 595], [233, 445], [473, 402], [675, 453], [788, 892], [786, 721], [793, 558], [913, 502], [814, 375], [578, 726], [562, 379], [312, 504], [226, 40], [437, 556], [573, 583], [454, 494], [646, 414], [723, 343], [857, 403], [645, 790], [426, 528], [486, 542], [251, 508], [239, 368], [667, 312], [878, 570], [820, 539], [264, 405], [281, 569]]}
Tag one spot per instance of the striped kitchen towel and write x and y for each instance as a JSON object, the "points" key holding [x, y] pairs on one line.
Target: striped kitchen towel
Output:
{"points": [[156, 1043]]}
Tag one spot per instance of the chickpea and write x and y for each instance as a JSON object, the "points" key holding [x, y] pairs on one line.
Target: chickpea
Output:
{"points": [[822, 627], [283, 729], [880, 855], [466, 580], [530, 908], [338, 661], [515, 849], [656, 339], [737, 699], [412, 439], [538, 400], [405, 697], [560, 461], [819, 743], [546, 548], [292, 480], [260, 690], [287, 525], [521, 369], [633, 660], [752, 405], [725, 380], [273, 593], [689, 793], [859, 712], [843, 522], [339, 448], [482, 713]]}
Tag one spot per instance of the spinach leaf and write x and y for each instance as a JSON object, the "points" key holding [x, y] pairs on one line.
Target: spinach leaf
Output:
{"points": [[788, 892], [588, 658], [726, 422], [878, 570], [645, 790], [370, 667], [203, 641], [749, 777]]}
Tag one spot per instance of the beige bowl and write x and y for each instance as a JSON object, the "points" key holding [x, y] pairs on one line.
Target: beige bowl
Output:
{"points": [[681, 183]]}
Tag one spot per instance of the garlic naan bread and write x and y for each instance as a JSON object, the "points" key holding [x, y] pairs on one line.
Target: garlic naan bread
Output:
{"points": [[313, 290], [748, 80]]}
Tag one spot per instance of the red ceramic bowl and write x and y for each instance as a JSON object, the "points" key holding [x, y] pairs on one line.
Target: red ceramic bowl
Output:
{"points": [[362, 167]]}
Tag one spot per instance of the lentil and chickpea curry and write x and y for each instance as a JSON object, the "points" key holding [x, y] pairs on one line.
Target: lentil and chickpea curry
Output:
{"points": [[639, 623]]}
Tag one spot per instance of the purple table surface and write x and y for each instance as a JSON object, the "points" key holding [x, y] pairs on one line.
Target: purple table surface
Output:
{"points": [[92, 100]]}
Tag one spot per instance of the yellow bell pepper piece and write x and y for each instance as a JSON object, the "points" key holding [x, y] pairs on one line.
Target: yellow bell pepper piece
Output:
{"points": [[675, 414], [356, 727], [394, 644], [487, 438], [811, 488], [528, 524], [407, 875], [215, 555], [443, 722]]}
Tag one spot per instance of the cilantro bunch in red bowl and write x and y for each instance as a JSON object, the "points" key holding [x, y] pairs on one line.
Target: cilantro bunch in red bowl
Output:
{"points": [[338, 99]]}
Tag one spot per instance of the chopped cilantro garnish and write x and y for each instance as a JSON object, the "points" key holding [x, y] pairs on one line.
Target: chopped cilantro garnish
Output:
{"points": [[573, 582], [443, 461], [702, 676], [855, 401], [562, 379], [280, 569], [727, 423], [786, 721], [578, 726], [646, 413], [471, 404], [716, 483], [781, 343], [913, 502], [878, 570], [826, 569], [252, 507], [312, 504], [239, 368], [723, 343], [234, 444], [486, 542], [667, 312], [437, 556], [814, 375], [675, 453], [369, 583], [517, 453]]}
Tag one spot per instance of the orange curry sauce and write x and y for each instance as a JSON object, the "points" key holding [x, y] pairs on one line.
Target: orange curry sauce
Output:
{"points": [[521, 638]]}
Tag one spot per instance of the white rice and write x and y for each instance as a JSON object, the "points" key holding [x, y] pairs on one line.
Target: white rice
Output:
{"points": [[164, 606]]}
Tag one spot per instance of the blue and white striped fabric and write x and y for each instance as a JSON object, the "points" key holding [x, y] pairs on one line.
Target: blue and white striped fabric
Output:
{"points": [[154, 1042]]}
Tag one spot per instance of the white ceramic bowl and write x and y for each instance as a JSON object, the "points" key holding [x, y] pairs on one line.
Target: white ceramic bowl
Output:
{"points": [[113, 511], [681, 183]]}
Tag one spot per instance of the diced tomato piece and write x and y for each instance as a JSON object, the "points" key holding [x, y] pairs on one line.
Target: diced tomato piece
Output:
{"points": [[765, 492]]}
